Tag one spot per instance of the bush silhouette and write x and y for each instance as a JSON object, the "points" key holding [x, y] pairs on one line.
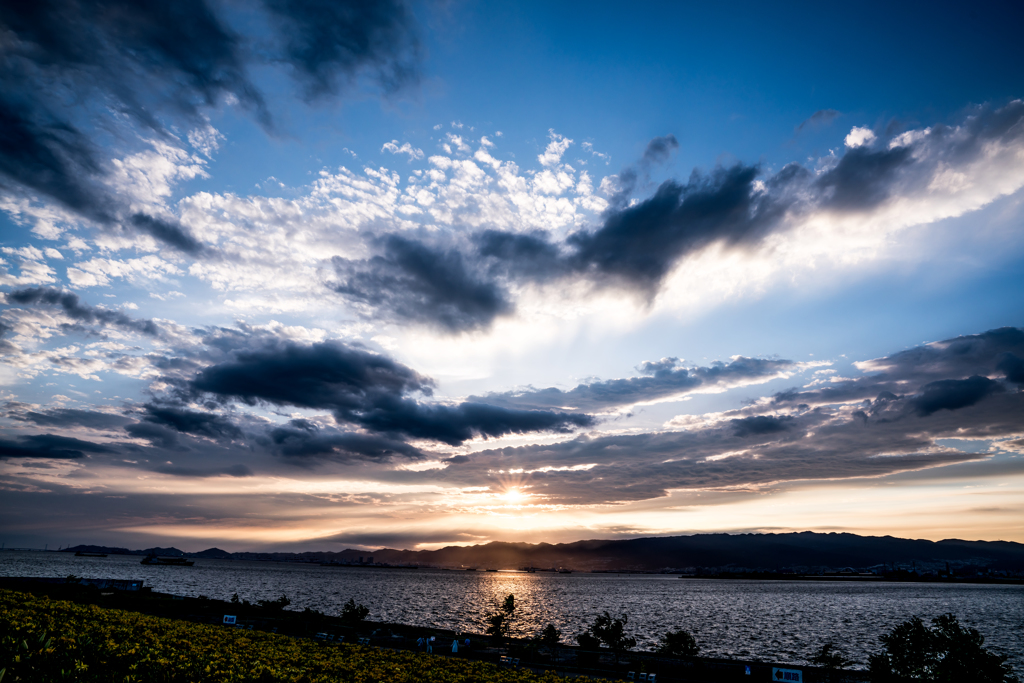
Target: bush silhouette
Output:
{"points": [[678, 644], [353, 614]]}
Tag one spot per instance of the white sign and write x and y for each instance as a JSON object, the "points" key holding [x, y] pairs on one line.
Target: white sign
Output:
{"points": [[787, 675], [230, 618]]}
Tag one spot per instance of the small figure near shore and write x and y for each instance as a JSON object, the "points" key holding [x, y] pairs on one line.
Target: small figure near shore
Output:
{"points": [[455, 646], [430, 644]]}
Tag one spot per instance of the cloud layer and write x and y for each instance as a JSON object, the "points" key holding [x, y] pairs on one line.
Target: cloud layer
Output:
{"points": [[153, 66]]}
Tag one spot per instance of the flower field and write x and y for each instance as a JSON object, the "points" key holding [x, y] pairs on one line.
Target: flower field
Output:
{"points": [[51, 640]]}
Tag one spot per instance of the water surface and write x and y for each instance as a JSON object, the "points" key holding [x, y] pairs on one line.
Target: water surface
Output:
{"points": [[783, 621]]}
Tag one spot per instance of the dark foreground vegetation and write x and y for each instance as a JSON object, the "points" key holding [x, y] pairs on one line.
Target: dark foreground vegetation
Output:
{"points": [[73, 632]]}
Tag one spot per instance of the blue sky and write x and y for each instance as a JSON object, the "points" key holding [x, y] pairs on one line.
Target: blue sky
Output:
{"points": [[573, 270]]}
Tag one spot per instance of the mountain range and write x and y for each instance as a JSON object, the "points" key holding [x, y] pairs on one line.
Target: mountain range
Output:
{"points": [[804, 551]]}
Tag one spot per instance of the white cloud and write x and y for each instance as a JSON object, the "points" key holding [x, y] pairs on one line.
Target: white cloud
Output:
{"points": [[458, 143], [172, 294], [552, 155], [859, 137], [589, 147], [99, 271], [553, 183], [404, 149], [31, 272], [609, 185], [205, 140], [146, 178]]}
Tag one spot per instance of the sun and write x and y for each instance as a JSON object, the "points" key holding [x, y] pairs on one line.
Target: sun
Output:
{"points": [[513, 496]]}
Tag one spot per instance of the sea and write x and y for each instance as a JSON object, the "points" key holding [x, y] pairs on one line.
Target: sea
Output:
{"points": [[772, 621]]}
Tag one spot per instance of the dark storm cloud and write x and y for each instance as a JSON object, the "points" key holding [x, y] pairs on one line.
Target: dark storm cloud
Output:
{"points": [[760, 425], [638, 176], [191, 421], [635, 245], [412, 281], [157, 435], [330, 41], [198, 472], [822, 117], [7, 347], [180, 53], [321, 375], [815, 444], [143, 59], [76, 310], [952, 394], [71, 417], [659, 149], [49, 156], [863, 178], [661, 379], [303, 439], [638, 245], [49, 446], [891, 420], [367, 390], [66, 64], [1013, 367], [167, 231], [528, 256], [922, 370]]}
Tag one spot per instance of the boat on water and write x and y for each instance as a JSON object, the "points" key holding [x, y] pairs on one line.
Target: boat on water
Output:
{"points": [[563, 570], [167, 561], [81, 554]]}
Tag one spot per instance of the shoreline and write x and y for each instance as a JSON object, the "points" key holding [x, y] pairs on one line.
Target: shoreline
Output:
{"points": [[899, 576]]}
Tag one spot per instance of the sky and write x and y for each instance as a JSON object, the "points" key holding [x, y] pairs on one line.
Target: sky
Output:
{"points": [[309, 275]]}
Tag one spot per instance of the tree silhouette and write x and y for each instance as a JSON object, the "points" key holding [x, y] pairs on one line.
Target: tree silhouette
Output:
{"points": [[678, 644], [500, 621], [274, 605], [830, 659], [946, 652], [549, 638], [612, 632]]}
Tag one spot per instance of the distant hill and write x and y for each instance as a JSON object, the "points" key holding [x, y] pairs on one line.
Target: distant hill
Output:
{"points": [[806, 551], [773, 552], [163, 552]]}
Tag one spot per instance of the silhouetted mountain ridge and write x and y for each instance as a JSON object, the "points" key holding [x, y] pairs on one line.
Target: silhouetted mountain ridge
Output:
{"points": [[771, 552]]}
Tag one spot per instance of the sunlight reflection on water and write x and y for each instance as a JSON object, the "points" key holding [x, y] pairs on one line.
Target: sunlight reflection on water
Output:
{"points": [[776, 621]]}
